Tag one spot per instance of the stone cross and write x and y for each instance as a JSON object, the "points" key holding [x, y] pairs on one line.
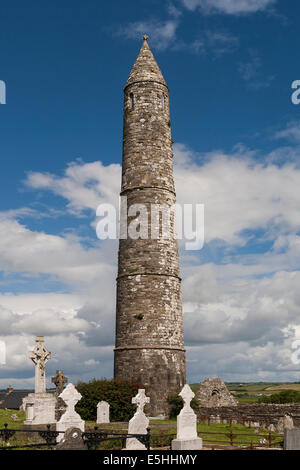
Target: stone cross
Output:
{"points": [[40, 355], [187, 395], [139, 423], [71, 397], [59, 381], [140, 400], [70, 418], [187, 437]]}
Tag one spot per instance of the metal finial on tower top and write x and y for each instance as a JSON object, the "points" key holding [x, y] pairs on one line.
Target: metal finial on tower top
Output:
{"points": [[145, 37]]}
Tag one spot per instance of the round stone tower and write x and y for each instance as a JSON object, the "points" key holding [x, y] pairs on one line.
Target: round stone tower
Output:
{"points": [[149, 327]]}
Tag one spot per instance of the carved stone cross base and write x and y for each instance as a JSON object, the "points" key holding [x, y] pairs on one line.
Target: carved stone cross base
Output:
{"points": [[39, 408]]}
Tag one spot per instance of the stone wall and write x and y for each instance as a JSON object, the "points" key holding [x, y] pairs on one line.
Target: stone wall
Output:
{"points": [[212, 392]]}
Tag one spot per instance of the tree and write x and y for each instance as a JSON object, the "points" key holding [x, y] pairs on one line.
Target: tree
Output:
{"points": [[286, 396], [118, 393]]}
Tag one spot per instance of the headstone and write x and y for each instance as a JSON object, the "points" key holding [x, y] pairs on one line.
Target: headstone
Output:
{"points": [[40, 405], [40, 356], [59, 381], [70, 419], [187, 437], [288, 422], [72, 440], [292, 439], [285, 422], [103, 412], [139, 423]]}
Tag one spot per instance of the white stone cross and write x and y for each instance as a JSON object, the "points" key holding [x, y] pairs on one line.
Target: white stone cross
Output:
{"points": [[71, 397], [187, 395], [187, 437], [139, 423], [39, 356], [140, 400], [70, 419]]}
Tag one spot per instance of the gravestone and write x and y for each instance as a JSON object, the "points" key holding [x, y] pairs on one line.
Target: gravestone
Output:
{"points": [[70, 419], [285, 422], [40, 405], [139, 423], [72, 440], [288, 422], [59, 381], [187, 437], [103, 412], [292, 439]]}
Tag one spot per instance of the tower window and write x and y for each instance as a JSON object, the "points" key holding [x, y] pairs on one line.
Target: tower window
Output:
{"points": [[162, 103], [132, 100]]}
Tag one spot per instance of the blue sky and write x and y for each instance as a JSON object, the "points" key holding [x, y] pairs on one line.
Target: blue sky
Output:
{"points": [[229, 65]]}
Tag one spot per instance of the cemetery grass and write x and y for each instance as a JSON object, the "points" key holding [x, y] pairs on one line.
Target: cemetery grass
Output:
{"points": [[5, 417], [19, 439], [162, 432], [244, 436]]}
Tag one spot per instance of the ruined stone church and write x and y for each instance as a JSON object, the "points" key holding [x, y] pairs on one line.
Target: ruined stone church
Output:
{"points": [[149, 326]]}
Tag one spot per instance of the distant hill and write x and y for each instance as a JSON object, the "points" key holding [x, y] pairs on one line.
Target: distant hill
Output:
{"points": [[249, 392]]}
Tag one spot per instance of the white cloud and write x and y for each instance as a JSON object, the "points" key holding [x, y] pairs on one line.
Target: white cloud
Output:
{"points": [[68, 353], [173, 11], [230, 7], [161, 33], [67, 304], [291, 132], [26, 251], [216, 42], [264, 196], [241, 315], [84, 185], [252, 72], [256, 311]]}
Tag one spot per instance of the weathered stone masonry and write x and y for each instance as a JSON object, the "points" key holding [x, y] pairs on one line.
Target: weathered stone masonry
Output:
{"points": [[149, 328]]}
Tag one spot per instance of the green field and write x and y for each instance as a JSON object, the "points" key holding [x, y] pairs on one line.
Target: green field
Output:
{"points": [[5, 417], [213, 435], [249, 392]]}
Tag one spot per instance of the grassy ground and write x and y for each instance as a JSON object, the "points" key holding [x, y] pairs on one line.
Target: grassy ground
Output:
{"points": [[5, 417], [162, 432]]}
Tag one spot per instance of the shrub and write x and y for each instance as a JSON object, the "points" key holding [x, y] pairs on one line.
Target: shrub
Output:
{"points": [[176, 404], [286, 396], [118, 393]]}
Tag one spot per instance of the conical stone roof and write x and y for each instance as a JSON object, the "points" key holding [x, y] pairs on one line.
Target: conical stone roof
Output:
{"points": [[145, 67]]}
